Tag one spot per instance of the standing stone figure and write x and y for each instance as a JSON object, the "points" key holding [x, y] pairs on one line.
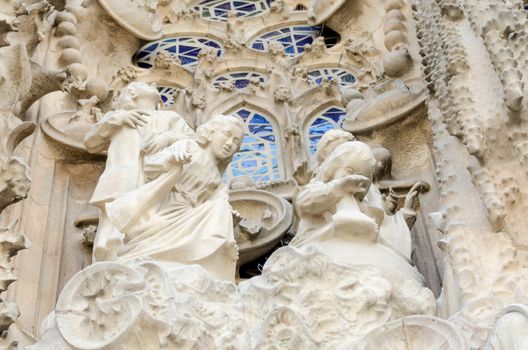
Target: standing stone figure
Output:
{"points": [[133, 130], [183, 216]]}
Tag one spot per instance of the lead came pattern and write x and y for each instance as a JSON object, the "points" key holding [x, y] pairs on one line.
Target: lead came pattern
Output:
{"points": [[293, 38], [185, 48], [331, 118], [257, 157], [219, 9], [240, 79], [343, 77], [167, 95]]}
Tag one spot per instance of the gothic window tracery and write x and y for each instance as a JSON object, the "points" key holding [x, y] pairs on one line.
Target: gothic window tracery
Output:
{"points": [[184, 48], [342, 76], [240, 79], [292, 38], [219, 9], [258, 156], [330, 118]]}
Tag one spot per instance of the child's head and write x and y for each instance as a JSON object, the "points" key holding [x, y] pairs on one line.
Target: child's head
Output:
{"points": [[138, 96], [329, 141], [350, 158]]}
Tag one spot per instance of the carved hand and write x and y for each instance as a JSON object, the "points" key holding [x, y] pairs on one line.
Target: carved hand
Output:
{"points": [[352, 184], [390, 202], [156, 143], [180, 154], [412, 195], [131, 119]]}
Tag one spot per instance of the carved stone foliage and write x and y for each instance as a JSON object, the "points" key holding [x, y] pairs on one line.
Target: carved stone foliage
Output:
{"points": [[141, 306], [296, 303]]}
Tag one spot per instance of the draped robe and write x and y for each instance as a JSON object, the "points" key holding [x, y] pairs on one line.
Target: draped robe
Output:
{"points": [[182, 216]]}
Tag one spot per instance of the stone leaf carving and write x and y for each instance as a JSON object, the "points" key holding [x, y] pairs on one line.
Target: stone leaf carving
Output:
{"points": [[141, 306], [303, 300]]}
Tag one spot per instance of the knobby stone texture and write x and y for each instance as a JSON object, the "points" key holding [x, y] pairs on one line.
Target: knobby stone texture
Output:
{"points": [[263, 174]]}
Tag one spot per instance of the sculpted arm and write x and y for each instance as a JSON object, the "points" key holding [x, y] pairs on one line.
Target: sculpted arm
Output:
{"points": [[100, 135], [162, 161], [316, 198], [408, 212]]}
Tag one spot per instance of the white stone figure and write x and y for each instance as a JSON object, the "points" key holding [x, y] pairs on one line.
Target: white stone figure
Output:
{"points": [[394, 227], [183, 215], [134, 129]]}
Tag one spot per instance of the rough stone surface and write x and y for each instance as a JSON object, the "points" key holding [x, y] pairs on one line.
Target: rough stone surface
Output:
{"points": [[344, 174]]}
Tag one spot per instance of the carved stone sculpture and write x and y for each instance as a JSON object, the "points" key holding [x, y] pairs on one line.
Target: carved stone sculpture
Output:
{"points": [[182, 216], [135, 129]]}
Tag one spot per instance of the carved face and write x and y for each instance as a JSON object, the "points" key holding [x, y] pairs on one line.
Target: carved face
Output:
{"points": [[138, 96], [350, 158], [226, 141]]}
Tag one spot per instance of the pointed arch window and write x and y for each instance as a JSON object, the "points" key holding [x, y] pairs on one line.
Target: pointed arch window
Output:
{"points": [[342, 76], [329, 119], [258, 156], [240, 79], [184, 48], [292, 38], [219, 9]]}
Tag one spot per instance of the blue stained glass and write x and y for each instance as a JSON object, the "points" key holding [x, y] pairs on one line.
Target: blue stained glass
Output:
{"points": [[242, 83], [329, 119], [258, 46], [343, 77], [293, 38], [183, 48], [218, 9], [241, 80], [186, 60], [257, 129], [244, 113], [270, 138], [151, 47], [257, 157], [141, 54], [248, 8], [290, 50], [167, 95], [257, 118], [186, 49]]}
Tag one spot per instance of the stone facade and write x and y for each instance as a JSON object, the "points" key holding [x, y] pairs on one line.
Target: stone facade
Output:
{"points": [[263, 174]]}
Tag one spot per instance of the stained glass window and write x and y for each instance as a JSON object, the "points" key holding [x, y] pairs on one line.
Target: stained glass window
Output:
{"points": [[343, 77], [240, 79], [293, 38], [331, 118], [185, 48], [219, 9], [167, 95], [257, 157]]}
